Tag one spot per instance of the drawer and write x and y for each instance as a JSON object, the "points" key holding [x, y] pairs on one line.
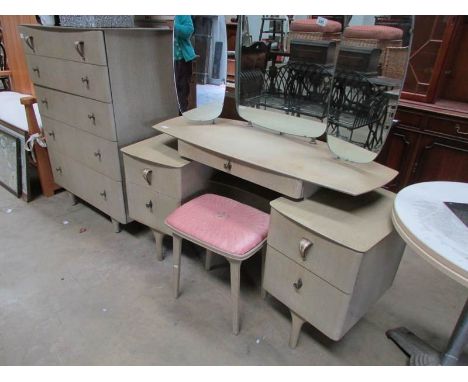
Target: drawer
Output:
{"points": [[332, 262], [97, 153], [85, 46], [61, 169], [453, 128], [86, 80], [408, 119], [286, 185], [92, 116], [324, 306], [149, 207]]}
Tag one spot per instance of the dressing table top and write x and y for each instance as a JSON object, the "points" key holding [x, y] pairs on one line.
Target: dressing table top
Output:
{"points": [[313, 163]]}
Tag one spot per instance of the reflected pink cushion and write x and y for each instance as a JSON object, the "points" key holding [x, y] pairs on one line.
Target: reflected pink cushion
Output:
{"points": [[221, 223], [310, 25], [377, 32]]}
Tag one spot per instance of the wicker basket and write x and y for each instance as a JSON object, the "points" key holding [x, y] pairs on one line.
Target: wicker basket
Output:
{"points": [[372, 43], [310, 36], [394, 65]]}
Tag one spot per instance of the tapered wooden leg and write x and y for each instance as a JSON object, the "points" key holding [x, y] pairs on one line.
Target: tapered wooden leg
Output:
{"points": [[296, 325], [263, 292], [208, 259], [235, 267], [158, 239], [73, 199], [176, 251], [116, 225]]}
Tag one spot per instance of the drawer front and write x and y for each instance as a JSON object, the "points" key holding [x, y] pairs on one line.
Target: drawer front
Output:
{"points": [[408, 119], [97, 153], [283, 184], [453, 128], [89, 115], [61, 169], [161, 179], [324, 306], [86, 46], [86, 80], [149, 207], [333, 263]]}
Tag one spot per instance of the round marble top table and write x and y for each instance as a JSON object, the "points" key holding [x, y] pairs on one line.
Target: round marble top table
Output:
{"points": [[423, 217]]}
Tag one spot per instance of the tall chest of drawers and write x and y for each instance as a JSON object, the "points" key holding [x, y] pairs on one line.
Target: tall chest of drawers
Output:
{"points": [[99, 90]]}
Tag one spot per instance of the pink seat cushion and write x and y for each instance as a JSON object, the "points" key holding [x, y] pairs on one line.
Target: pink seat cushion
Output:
{"points": [[376, 32], [310, 25], [221, 223]]}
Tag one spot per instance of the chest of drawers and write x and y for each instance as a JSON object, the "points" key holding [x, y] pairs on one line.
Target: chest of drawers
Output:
{"points": [[99, 90], [330, 257]]}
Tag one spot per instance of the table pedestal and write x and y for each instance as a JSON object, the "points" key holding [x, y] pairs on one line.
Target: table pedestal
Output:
{"points": [[422, 354]]}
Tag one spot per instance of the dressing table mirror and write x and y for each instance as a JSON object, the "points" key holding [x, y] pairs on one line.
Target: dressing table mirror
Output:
{"points": [[200, 66], [368, 78], [285, 72]]}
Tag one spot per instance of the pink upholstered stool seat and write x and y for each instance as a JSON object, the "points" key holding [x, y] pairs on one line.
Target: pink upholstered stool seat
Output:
{"points": [[310, 25], [225, 227], [221, 223], [377, 32]]}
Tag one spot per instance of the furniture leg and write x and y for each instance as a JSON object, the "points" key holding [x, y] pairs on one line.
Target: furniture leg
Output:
{"points": [[235, 267], [458, 339], [116, 225], [73, 199], [158, 239], [176, 252], [208, 259], [263, 292], [296, 325]]}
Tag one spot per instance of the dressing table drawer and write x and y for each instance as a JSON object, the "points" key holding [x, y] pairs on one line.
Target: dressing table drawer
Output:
{"points": [[92, 116], [285, 185], [86, 80], [304, 293], [149, 207], [332, 262], [85, 46]]}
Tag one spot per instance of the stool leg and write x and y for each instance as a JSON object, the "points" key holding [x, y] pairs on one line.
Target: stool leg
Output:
{"points": [[158, 239], [176, 250], [263, 292], [235, 267], [296, 326], [208, 259]]}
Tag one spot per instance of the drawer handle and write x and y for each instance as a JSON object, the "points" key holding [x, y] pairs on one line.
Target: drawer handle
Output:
{"points": [[30, 42], [103, 194], [228, 165], [36, 70], [97, 154], [458, 128], [58, 169], [79, 46], [93, 117], [52, 134], [149, 205], [45, 102], [298, 284], [85, 80], [304, 246], [147, 175]]}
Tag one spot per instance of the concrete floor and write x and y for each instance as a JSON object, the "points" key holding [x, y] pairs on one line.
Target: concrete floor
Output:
{"points": [[100, 298]]}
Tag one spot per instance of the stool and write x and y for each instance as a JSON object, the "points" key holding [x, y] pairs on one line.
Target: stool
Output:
{"points": [[223, 226]]}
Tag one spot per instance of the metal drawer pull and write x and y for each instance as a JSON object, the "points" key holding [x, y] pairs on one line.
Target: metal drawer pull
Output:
{"points": [[30, 42], [458, 128], [228, 165], [93, 117], [85, 80], [52, 134], [103, 194], [147, 175], [149, 205], [97, 154], [298, 285], [58, 169], [36, 69], [79, 46], [45, 102], [304, 246]]}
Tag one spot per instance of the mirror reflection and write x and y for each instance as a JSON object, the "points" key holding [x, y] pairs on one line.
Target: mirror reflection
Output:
{"points": [[200, 65], [286, 70], [368, 79]]}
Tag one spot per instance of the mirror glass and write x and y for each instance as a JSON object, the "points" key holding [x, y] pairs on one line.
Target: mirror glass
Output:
{"points": [[200, 65], [369, 74], [285, 68]]}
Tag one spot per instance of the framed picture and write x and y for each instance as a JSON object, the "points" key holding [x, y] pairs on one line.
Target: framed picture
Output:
{"points": [[10, 163]]}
